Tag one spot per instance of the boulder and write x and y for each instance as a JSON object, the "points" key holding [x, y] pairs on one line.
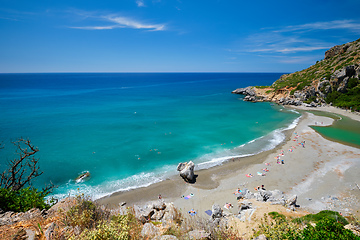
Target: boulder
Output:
{"points": [[248, 91], [149, 230], [165, 237], [49, 233], [245, 206], [187, 171], [198, 234], [260, 237], [143, 214], [291, 201], [170, 212], [217, 212], [31, 235]]}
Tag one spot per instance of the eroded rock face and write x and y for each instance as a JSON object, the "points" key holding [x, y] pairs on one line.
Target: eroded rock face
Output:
{"points": [[187, 171]]}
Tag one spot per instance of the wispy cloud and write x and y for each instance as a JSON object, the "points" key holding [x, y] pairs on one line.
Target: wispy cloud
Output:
{"points": [[295, 44], [140, 3], [299, 39], [337, 24], [116, 21]]}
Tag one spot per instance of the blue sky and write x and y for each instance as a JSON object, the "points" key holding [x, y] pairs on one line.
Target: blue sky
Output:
{"points": [[172, 35]]}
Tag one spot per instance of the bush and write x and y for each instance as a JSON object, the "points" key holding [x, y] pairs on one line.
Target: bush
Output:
{"points": [[279, 228], [84, 214], [323, 214], [113, 230], [22, 200], [328, 228], [353, 82]]}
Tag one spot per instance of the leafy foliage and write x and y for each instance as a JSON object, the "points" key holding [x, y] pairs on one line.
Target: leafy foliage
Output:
{"points": [[321, 215], [22, 200], [329, 225], [16, 191], [113, 230], [84, 214], [328, 228]]}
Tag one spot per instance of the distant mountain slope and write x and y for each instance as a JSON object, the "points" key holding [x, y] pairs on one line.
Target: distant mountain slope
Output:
{"points": [[333, 80]]}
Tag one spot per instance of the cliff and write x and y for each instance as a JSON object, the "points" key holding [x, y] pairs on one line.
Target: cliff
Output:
{"points": [[334, 80]]}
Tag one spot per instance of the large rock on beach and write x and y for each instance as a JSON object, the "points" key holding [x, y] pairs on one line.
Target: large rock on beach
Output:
{"points": [[217, 212], [187, 171]]}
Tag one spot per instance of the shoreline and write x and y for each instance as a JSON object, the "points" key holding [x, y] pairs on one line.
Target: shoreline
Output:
{"points": [[321, 182]]}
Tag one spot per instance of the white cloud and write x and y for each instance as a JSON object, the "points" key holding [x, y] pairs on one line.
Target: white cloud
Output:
{"points": [[117, 22], [336, 24], [127, 22]]}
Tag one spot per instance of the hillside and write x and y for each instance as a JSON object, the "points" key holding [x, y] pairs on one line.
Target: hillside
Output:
{"points": [[333, 80]]}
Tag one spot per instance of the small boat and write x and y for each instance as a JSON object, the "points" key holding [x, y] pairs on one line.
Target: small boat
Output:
{"points": [[82, 176]]}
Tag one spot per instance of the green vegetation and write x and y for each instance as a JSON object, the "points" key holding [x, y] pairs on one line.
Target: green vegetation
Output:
{"points": [[22, 200], [16, 192], [320, 215], [262, 87], [348, 100], [327, 228], [323, 225], [323, 70]]}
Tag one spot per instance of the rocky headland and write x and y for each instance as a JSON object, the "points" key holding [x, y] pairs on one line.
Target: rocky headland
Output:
{"points": [[333, 80]]}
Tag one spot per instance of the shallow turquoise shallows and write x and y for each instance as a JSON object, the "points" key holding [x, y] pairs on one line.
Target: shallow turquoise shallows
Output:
{"points": [[132, 129]]}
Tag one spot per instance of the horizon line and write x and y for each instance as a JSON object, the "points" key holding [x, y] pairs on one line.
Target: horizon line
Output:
{"points": [[139, 72]]}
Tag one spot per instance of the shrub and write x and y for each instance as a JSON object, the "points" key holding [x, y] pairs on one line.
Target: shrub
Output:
{"points": [[353, 82], [275, 215], [324, 214], [113, 230], [279, 228], [85, 213], [22, 200], [328, 228]]}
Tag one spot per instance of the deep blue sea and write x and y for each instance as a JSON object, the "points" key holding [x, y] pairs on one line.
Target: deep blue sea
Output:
{"points": [[132, 129]]}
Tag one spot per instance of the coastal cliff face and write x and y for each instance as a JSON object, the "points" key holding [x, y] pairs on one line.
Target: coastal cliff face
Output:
{"points": [[334, 80]]}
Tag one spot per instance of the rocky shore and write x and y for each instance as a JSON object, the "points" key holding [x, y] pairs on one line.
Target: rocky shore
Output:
{"points": [[336, 79], [310, 96]]}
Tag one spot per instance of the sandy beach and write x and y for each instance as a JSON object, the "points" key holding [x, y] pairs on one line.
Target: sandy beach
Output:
{"points": [[323, 174]]}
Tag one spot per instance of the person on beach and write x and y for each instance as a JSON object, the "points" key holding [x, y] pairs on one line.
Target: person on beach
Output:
{"points": [[160, 196], [237, 191], [263, 187], [282, 162]]}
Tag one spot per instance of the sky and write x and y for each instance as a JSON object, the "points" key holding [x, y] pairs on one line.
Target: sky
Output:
{"points": [[172, 35]]}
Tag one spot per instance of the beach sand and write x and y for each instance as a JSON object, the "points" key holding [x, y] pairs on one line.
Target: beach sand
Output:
{"points": [[323, 175]]}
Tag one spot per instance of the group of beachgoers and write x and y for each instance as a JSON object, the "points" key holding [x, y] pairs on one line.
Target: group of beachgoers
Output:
{"points": [[279, 156]]}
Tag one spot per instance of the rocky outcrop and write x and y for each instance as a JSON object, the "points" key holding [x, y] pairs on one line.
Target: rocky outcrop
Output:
{"points": [[318, 91], [338, 72], [336, 50], [156, 211], [274, 197], [187, 171], [9, 218]]}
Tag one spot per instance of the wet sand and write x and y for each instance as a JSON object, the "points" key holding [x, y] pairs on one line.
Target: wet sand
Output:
{"points": [[323, 175]]}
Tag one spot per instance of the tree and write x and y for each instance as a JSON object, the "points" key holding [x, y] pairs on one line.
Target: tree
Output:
{"points": [[24, 169], [16, 191]]}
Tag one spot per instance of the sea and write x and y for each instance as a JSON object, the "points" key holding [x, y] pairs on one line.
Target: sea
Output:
{"points": [[131, 130]]}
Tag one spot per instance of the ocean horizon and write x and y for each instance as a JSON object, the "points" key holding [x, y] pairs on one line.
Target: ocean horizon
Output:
{"points": [[130, 130]]}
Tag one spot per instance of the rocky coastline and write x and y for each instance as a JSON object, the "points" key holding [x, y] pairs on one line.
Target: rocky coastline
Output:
{"points": [[310, 96], [336, 75]]}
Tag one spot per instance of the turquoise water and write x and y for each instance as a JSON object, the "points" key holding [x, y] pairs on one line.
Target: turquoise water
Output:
{"points": [[131, 130]]}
